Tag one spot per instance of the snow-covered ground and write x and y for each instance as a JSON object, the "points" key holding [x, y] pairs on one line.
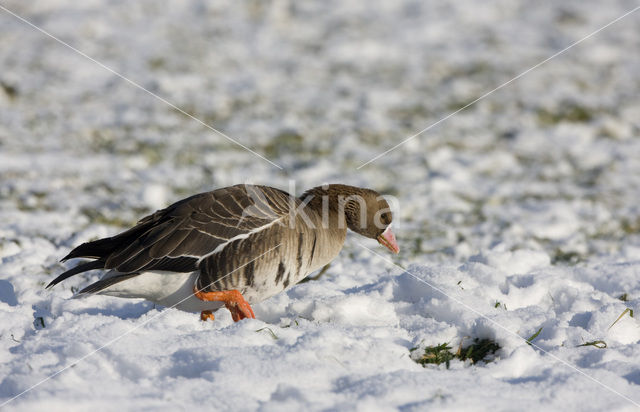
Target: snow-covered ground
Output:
{"points": [[516, 214]]}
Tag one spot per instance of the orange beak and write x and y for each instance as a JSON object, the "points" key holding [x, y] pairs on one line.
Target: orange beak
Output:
{"points": [[388, 240]]}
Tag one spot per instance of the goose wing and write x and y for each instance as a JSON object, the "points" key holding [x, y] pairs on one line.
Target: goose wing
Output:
{"points": [[180, 236], [183, 234]]}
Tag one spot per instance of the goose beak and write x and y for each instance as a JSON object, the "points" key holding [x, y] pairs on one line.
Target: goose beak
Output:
{"points": [[388, 240]]}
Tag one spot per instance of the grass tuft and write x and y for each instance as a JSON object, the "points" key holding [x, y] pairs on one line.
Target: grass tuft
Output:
{"points": [[569, 258], [630, 225], [436, 355], [479, 350], [96, 216], [286, 141], [569, 112]]}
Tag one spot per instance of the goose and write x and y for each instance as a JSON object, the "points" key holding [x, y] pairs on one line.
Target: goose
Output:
{"points": [[232, 247]]}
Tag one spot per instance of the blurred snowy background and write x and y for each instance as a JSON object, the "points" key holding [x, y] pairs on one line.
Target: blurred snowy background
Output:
{"points": [[524, 205]]}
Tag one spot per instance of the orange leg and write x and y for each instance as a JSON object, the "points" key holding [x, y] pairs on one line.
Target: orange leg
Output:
{"points": [[206, 315], [233, 300]]}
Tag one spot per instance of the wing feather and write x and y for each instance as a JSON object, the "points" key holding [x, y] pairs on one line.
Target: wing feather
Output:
{"points": [[194, 228], [169, 245]]}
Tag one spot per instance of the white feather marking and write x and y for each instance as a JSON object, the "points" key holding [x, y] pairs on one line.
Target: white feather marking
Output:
{"points": [[240, 236]]}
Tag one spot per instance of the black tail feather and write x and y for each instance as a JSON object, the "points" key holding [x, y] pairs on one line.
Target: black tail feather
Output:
{"points": [[97, 249], [105, 283], [83, 267], [102, 248]]}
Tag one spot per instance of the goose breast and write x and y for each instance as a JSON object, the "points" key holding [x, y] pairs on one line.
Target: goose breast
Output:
{"points": [[274, 257]]}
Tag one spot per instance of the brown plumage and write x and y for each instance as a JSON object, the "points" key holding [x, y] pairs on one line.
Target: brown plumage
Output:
{"points": [[256, 240]]}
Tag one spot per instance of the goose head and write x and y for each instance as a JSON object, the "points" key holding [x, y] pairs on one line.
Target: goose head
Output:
{"points": [[368, 214]]}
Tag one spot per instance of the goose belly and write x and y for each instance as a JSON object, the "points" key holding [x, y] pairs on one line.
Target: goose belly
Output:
{"points": [[168, 289]]}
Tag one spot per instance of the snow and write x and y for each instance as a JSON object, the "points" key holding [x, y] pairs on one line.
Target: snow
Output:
{"points": [[519, 214]]}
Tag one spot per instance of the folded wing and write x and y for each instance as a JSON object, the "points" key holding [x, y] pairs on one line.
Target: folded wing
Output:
{"points": [[180, 236]]}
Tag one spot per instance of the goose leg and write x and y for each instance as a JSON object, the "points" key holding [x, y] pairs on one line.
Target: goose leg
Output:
{"points": [[233, 300], [206, 315]]}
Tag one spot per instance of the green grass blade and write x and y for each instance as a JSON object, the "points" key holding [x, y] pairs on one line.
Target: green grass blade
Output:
{"points": [[535, 335]]}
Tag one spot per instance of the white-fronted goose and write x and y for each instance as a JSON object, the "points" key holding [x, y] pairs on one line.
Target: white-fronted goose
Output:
{"points": [[233, 246]]}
